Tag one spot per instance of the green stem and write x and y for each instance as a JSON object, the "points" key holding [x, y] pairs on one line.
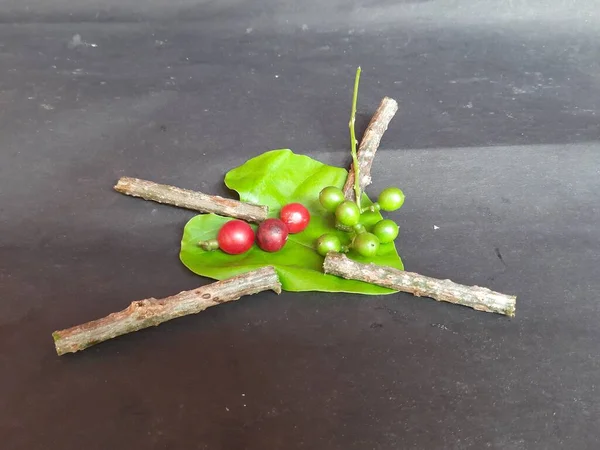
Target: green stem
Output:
{"points": [[373, 208], [210, 245], [344, 228], [353, 139]]}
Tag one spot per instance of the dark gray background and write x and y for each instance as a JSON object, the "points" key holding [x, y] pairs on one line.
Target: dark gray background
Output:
{"points": [[495, 143]]}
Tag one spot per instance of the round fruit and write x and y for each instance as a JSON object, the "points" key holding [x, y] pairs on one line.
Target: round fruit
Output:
{"points": [[295, 216], [330, 197], [272, 235], [386, 230], [366, 244], [235, 237], [347, 213], [391, 199], [328, 243]]}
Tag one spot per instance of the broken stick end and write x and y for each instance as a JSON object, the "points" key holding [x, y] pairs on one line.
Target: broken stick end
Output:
{"points": [[389, 100], [512, 307], [122, 185]]}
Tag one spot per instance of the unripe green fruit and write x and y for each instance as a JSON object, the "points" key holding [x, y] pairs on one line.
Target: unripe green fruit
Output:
{"points": [[331, 197], [328, 243], [391, 199], [366, 244], [347, 213], [386, 231]]}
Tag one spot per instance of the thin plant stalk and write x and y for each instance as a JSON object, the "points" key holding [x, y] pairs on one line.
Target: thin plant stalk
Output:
{"points": [[353, 141]]}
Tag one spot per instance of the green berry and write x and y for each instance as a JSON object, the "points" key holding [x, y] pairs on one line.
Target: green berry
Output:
{"points": [[391, 199], [328, 243], [366, 244], [347, 213], [386, 230], [330, 197]]}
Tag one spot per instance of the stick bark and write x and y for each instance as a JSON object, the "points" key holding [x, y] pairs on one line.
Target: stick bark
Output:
{"points": [[152, 312], [197, 201], [369, 145], [478, 298]]}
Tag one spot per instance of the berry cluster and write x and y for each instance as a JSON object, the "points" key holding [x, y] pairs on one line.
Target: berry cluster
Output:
{"points": [[236, 236], [347, 218]]}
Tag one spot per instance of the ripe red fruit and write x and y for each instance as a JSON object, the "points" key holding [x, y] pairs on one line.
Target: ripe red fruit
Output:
{"points": [[272, 235], [295, 216], [235, 237]]}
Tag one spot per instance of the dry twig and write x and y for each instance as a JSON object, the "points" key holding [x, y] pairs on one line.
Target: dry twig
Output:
{"points": [[369, 145], [479, 298], [197, 201], [152, 312]]}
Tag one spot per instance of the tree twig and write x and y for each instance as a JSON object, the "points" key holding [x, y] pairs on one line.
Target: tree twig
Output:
{"points": [[369, 145], [197, 201], [479, 298], [152, 312]]}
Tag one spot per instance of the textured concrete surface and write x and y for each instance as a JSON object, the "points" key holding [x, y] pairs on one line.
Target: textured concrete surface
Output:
{"points": [[495, 144]]}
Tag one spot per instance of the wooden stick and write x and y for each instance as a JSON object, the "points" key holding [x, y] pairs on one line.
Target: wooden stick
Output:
{"points": [[152, 312], [197, 201], [479, 298], [369, 145]]}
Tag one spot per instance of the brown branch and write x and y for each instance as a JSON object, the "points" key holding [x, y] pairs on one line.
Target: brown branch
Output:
{"points": [[197, 201], [369, 145], [479, 298], [152, 312]]}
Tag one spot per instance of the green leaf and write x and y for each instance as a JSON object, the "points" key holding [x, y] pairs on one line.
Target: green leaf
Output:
{"points": [[276, 178]]}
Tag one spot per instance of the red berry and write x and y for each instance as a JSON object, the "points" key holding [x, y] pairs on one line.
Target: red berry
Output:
{"points": [[295, 216], [272, 235], [235, 237]]}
